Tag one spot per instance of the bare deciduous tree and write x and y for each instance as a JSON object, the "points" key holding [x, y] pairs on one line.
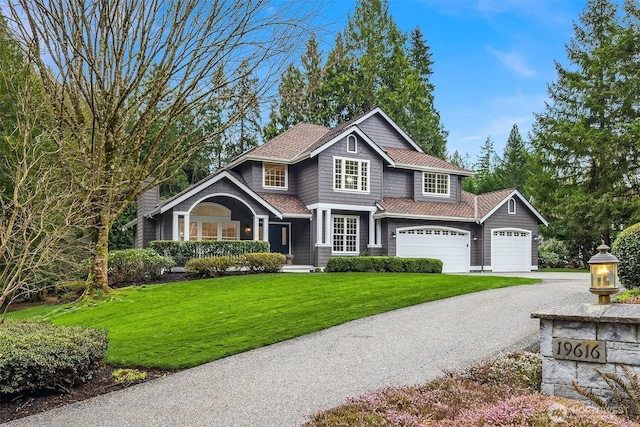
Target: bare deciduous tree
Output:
{"points": [[119, 74], [37, 209]]}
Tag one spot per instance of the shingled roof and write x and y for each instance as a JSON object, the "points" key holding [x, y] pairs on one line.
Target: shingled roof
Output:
{"points": [[414, 158], [289, 144], [463, 211], [288, 205]]}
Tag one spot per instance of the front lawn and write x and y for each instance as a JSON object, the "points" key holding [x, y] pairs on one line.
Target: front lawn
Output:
{"points": [[180, 325]]}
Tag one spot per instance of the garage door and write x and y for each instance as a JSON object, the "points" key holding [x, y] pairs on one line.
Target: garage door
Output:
{"points": [[510, 250], [449, 246]]}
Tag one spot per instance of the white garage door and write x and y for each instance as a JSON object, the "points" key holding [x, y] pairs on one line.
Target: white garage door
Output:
{"points": [[510, 250], [449, 246]]}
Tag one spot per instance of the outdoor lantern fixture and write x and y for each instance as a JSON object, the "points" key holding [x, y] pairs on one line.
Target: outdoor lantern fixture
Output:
{"points": [[604, 274], [247, 230]]}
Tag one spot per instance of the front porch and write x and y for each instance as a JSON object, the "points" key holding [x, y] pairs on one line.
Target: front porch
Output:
{"points": [[224, 217]]}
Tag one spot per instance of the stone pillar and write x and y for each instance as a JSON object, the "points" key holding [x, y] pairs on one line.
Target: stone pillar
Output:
{"points": [[576, 340]]}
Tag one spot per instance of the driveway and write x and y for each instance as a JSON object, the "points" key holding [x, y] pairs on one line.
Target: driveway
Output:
{"points": [[280, 385]]}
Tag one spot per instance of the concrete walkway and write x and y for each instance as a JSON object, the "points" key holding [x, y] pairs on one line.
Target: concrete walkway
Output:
{"points": [[281, 384]]}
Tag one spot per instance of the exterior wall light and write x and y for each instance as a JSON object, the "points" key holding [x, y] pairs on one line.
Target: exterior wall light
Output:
{"points": [[247, 230], [604, 274], [393, 234]]}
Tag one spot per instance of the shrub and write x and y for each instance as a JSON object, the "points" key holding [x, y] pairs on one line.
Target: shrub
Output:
{"points": [[71, 290], [383, 264], [128, 376], [627, 248], [183, 251], [36, 356], [266, 262], [210, 266], [499, 392], [553, 253], [137, 265]]}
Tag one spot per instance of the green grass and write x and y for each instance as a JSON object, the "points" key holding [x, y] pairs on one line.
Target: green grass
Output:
{"points": [[185, 324], [563, 270]]}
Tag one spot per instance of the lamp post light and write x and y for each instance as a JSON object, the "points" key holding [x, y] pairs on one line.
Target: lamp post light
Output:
{"points": [[604, 274]]}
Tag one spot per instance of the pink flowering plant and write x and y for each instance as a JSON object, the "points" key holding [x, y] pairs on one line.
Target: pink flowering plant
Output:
{"points": [[500, 392]]}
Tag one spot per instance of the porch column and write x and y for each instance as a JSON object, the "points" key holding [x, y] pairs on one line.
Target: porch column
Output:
{"points": [[328, 233], [379, 232], [372, 229], [187, 223], [265, 229], [256, 228], [175, 229], [319, 240]]}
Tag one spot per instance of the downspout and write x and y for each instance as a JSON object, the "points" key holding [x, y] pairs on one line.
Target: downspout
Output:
{"points": [[475, 213]]}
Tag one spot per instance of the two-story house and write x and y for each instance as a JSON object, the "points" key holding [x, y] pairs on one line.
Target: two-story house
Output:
{"points": [[362, 187]]}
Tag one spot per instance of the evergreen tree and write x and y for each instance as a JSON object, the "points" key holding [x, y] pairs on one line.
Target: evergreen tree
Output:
{"points": [[244, 114], [486, 178], [459, 160], [586, 139], [512, 170], [372, 64], [423, 120], [299, 93]]}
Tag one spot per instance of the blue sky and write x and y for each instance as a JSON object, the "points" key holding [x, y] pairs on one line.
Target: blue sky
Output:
{"points": [[492, 59]]}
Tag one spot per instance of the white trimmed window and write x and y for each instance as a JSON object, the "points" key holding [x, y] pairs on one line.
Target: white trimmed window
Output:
{"points": [[435, 184], [210, 221], [350, 175], [274, 175], [512, 206], [345, 234], [352, 144]]}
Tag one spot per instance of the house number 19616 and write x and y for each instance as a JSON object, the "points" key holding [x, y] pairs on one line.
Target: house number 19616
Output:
{"points": [[580, 350]]}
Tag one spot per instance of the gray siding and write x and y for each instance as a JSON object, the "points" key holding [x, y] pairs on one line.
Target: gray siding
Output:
{"points": [[301, 241], [325, 175], [146, 228], [306, 174], [522, 219], [252, 174], [454, 189], [246, 171], [397, 183], [383, 134]]}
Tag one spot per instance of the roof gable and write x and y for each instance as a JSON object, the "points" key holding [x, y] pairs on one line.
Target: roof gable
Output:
{"points": [[323, 143], [207, 182], [378, 111], [489, 203]]}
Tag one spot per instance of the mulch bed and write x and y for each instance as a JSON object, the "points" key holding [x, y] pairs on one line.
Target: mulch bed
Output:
{"points": [[12, 408]]}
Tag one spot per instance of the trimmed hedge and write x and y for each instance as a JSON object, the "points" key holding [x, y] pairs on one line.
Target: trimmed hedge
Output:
{"points": [[182, 251], [627, 249], [36, 356], [210, 266], [383, 264], [137, 265], [264, 262]]}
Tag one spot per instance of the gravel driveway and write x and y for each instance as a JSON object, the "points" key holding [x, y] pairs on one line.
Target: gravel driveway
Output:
{"points": [[280, 385]]}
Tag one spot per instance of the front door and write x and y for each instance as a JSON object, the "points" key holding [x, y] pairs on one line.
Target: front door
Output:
{"points": [[280, 237]]}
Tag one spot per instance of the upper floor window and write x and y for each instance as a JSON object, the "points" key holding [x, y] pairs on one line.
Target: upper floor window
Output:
{"points": [[436, 184], [352, 144], [512, 206], [350, 175], [274, 176]]}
